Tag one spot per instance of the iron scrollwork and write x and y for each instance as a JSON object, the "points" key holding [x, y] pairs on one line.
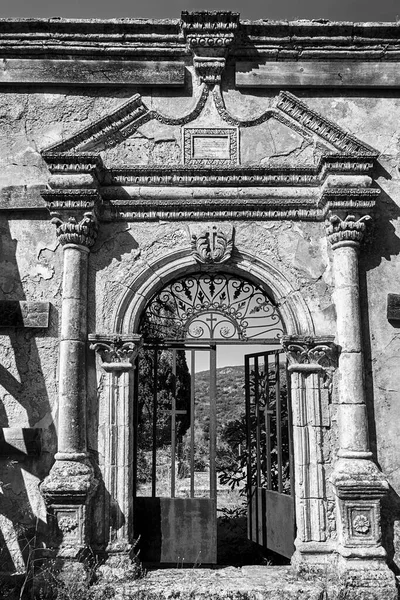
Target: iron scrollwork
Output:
{"points": [[211, 306]]}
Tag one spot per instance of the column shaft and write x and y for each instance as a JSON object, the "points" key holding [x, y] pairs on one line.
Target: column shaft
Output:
{"points": [[72, 365]]}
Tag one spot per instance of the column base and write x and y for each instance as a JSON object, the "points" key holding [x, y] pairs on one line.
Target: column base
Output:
{"points": [[363, 580], [67, 491], [122, 563], [313, 558]]}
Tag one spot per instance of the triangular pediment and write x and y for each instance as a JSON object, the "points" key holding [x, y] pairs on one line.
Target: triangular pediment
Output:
{"points": [[306, 133]]}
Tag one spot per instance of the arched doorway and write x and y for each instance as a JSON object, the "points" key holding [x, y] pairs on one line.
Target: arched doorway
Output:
{"points": [[203, 314]]}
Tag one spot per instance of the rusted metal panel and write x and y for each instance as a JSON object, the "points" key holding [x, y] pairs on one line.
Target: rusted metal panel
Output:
{"points": [[177, 531], [279, 518]]}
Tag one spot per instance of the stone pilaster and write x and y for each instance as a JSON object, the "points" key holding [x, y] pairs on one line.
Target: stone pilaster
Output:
{"points": [[312, 361], [117, 354], [358, 483], [71, 481]]}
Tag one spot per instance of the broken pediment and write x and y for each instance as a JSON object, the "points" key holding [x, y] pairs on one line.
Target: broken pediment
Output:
{"points": [[288, 132]]}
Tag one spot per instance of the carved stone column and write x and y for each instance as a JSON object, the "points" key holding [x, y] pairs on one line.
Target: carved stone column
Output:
{"points": [[71, 481], [117, 354], [311, 364], [358, 483]]}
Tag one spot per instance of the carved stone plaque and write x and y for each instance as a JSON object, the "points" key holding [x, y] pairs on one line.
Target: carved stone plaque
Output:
{"points": [[204, 147], [210, 146]]}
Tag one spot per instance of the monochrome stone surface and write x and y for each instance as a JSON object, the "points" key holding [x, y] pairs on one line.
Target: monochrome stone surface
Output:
{"points": [[136, 154]]}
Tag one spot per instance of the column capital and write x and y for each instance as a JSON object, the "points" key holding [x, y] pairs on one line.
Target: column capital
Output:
{"points": [[74, 212], [348, 231], [117, 352], [310, 353]]}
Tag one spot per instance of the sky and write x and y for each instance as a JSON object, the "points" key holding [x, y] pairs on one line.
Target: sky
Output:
{"points": [[335, 10]]}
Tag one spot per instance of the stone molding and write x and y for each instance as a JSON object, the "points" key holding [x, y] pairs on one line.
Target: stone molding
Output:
{"points": [[346, 232], [74, 212], [117, 352], [326, 129], [138, 38]]}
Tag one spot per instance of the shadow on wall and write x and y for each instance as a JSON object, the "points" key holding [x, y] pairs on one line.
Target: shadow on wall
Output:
{"points": [[24, 403], [381, 244]]}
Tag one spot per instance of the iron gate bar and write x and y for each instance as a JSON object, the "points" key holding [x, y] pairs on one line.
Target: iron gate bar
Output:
{"points": [[278, 421], [267, 418], [248, 436], [213, 421], [258, 421], [192, 416], [196, 344], [155, 416], [173, 423]]}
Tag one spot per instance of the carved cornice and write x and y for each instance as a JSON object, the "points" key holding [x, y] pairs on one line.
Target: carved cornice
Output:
{"points": [[212, 245], [326, 129], [135, 38], [346, 232], [307, 353], [74, 212], [236, 175], [117, 352]]}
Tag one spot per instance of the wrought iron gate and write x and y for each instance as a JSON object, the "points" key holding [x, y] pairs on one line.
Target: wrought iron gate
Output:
{"points": [[177, 525], [270, 453]]}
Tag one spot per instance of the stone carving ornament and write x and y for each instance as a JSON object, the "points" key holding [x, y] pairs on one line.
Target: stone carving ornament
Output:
{"points": [[361, 524], [212, 246]]}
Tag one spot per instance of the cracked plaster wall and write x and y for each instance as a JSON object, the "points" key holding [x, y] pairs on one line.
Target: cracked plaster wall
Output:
{"points": [[31, 260]]}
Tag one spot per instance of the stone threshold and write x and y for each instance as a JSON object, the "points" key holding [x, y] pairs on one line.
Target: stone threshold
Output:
{"points": [[233, 583]]}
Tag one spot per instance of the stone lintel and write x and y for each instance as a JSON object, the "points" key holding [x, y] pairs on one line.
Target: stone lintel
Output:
{"points": [[318, 73], [78, 72], [15, 313], [20, 441], [117, 351]]}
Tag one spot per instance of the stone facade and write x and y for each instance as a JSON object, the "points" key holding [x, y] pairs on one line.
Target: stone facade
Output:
{"points": [[136, 151]]}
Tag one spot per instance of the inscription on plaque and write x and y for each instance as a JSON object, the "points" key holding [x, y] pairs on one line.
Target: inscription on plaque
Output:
{"points": [[210, 146]]}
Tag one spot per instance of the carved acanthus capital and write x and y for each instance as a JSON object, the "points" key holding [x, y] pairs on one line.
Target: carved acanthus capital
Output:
{"points": [[74, 212], [209, 36], [310, 353], [117, 352], [346, 232], [212, 245]]}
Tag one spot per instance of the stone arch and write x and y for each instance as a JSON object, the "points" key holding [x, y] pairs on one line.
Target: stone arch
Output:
{"points": [[294, 311]]}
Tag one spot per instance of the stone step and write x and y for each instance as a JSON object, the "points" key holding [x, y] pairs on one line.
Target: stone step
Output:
{"points": [[224, 583]]}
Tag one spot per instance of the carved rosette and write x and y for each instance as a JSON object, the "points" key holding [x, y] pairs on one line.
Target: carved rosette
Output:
{"points": [[212, 246], [117, 352], [209, 35], [320, 352], [74, 212], [346, 232]]}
